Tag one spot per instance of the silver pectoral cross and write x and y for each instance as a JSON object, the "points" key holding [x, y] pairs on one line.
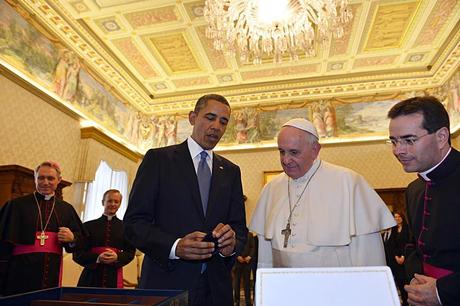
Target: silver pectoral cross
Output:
{"points": [[286, 232], [42, 237]]}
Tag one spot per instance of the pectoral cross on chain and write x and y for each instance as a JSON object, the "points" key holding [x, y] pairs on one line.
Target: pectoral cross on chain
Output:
{"points": [[286, 232], [42, 237]]}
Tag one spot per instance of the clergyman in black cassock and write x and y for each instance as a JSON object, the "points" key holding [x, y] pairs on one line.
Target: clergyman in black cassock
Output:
{"points": [[105, 240], [420, 134], [29, 261]]}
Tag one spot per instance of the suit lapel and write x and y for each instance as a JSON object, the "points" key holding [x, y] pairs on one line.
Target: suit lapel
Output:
{"points": [[184, 162]]}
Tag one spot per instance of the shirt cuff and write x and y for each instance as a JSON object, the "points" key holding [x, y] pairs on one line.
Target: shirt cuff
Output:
{"points": [[437, 295], [222, 255], [172, 253]]}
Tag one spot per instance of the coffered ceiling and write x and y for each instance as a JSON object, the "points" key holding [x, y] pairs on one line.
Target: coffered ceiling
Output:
{"points": [[156, 56]]}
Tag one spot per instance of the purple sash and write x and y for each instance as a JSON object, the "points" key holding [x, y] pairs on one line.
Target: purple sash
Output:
{"points": [[99, 250], [435, 272], [51, 245]]}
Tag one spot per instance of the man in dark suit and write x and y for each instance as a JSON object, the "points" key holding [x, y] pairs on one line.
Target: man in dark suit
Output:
{"points": [[182, 193]]}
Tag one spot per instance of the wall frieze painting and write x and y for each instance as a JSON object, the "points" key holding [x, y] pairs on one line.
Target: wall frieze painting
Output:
{"points": [[41, 60]]}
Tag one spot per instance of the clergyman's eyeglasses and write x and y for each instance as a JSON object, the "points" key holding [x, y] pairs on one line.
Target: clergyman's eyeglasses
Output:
{"points": [[405, 141]]}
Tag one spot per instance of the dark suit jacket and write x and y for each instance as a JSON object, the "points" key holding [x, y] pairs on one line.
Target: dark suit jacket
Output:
{"points": [[165, 205]]}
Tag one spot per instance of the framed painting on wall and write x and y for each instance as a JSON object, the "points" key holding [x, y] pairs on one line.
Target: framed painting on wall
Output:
{"points": [[269, 175]]}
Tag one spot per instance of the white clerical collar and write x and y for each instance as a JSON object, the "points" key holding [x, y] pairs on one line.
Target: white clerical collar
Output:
{"points": [[309, 173], [109, 217], [195, 149], [46, 196], [424, 174]]}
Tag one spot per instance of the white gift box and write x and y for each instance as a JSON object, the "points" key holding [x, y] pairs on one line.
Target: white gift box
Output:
{"points": [[354, 286]]}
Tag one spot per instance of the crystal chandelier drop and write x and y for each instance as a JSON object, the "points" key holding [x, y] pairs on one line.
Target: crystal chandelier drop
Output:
{"points": [[253, 28]]}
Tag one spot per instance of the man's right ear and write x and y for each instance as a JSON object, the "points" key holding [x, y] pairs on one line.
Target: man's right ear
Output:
{"points": [[192, 117]]}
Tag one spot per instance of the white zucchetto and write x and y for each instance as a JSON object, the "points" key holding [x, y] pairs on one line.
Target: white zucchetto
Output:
{"points": [[304, 125]]}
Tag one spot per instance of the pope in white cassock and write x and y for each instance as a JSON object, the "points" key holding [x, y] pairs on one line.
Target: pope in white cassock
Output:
{"points": [[316, 214]]}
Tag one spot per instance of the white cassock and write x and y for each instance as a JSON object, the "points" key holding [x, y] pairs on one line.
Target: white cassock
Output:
{"points": [[336, 223]]}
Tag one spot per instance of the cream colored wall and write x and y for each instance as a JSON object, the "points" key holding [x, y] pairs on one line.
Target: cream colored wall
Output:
{"points": [[31, 131]]}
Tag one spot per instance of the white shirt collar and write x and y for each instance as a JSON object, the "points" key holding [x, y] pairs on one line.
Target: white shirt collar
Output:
{"points": [[46, 196], [109, 217], [195, 149], [425, 173]]}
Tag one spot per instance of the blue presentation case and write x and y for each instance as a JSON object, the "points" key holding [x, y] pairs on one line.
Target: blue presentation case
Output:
{"points": [[71, 296]]}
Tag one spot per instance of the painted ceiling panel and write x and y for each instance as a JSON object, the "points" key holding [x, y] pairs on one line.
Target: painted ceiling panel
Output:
{"points": [[279, 71], [175, 52], [390, 24], [339, 46], [191, 82], [109, 25], [216, 58], [80, 6], [129, 50], [436, 20], [374, 61], [152, 17], [194, 9]]}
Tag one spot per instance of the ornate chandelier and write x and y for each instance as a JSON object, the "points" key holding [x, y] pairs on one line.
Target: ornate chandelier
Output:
{"points": [[254, 28]]}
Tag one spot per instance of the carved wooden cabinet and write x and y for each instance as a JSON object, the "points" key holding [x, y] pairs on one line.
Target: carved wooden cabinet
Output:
{"points": [[16, 181]]}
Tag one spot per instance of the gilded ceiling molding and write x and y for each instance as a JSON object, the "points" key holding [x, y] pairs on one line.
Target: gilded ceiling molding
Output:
{"points": [[355, 88], [451, 51], [367, 98], [300, 90], [93, 133]]}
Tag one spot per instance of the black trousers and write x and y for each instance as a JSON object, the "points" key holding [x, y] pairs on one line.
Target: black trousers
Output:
{"points": [[201, 294]]}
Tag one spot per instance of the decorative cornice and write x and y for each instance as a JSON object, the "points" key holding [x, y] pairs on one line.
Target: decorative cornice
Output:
{"points": [[93, 133]]}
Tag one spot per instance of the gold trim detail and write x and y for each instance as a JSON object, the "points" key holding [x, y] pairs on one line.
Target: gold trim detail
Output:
{"points": [[93, 133]]}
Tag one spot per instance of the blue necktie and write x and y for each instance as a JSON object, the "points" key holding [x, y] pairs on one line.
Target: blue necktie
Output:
{"points": [[204, 180]]}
